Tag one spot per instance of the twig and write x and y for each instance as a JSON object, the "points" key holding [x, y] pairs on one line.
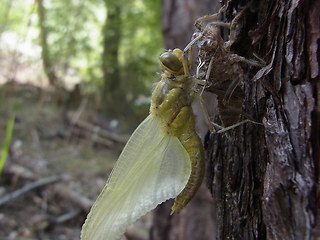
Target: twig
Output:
{"points": [[29, 187], [21, 238], [66, 217], [20, 171], [74, 197], [92, 128]]}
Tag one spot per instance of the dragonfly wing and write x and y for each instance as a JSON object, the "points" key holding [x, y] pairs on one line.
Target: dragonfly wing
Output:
{"points": [[152, 168]]}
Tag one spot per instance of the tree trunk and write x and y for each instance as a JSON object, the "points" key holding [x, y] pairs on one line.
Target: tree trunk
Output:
{"points": [[265, 178], [8, 7], [112, 92], [46, 58]]}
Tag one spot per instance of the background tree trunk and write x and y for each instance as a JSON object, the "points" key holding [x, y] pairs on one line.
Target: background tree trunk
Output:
{"points": [[264, 179], [45, 54], [8, 7], [178, 17], [112, 92], [197, 220]]}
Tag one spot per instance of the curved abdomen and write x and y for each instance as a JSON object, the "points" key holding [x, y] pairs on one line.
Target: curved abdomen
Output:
{"points": [[192, 143]]}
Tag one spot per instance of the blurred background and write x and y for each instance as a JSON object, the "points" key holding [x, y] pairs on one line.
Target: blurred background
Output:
{"points": [[75, 80]]}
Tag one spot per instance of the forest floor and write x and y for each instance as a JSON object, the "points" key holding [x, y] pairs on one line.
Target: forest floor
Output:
{"points": [[57, 171]]}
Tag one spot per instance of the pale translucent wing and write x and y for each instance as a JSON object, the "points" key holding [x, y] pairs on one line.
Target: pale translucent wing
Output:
{"points": [[152, 168]]}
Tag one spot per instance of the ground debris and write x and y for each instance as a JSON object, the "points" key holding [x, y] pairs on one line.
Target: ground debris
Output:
{"points": [[84, 128], [49, 182]]}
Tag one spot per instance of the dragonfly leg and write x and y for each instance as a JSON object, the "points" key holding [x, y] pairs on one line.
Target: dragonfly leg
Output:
{"points": [[211, 17]]}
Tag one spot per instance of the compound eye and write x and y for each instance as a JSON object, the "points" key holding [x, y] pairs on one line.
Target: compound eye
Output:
{"points": [[170, 62]]}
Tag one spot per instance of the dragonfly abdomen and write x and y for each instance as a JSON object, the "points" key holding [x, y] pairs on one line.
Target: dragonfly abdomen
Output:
{"points": [[192, 143]]}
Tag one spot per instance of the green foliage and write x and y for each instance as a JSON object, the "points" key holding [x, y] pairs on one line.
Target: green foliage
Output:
{"points": [[14, 15], [141, 45], [75, 41], [73, 35], [6, 143]]}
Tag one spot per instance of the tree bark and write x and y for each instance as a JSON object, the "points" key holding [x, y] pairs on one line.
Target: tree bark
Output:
{"points": [[265, 178]]}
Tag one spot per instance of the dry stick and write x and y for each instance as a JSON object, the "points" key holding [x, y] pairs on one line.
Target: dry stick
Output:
{"points": [[66, 217], [29, 187], [74, 197], [103, 132]]}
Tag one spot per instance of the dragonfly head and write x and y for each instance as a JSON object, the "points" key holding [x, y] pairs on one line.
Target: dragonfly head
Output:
{"points": [[171, 61]]}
